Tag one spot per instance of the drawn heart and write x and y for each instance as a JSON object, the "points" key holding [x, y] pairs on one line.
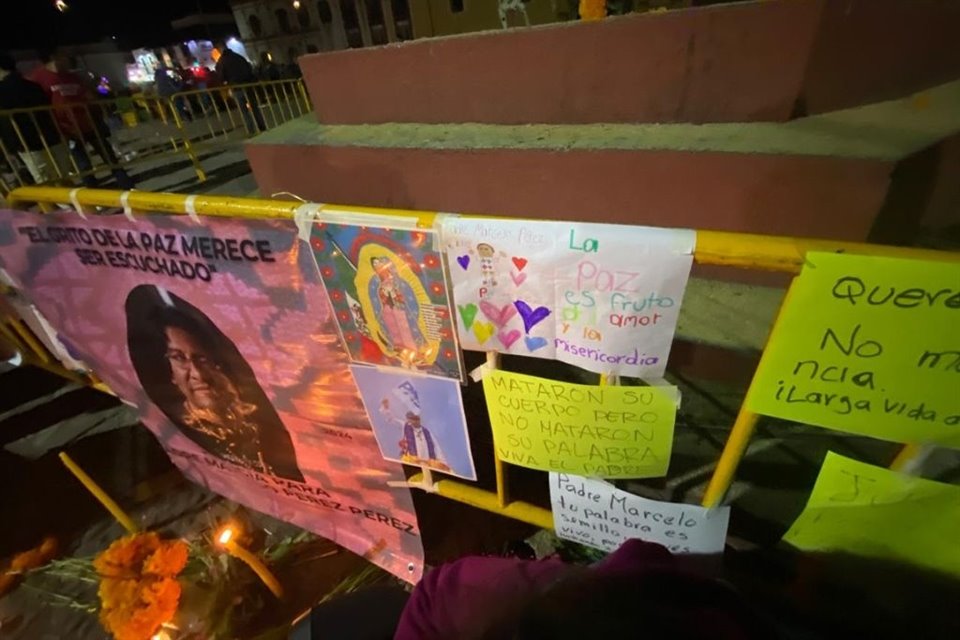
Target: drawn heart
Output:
{"points": [[507, 338], [498, 315], [483, 331], [530, 316], [463, 261], [518, 278], [534, 343], [519, 263], [468, 312]]}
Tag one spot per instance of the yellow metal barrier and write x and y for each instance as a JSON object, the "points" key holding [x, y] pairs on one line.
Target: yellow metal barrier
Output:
{"points": [[740, 250], [82, 144]]}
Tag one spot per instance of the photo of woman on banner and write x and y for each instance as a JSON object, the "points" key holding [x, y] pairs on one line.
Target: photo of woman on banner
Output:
{"points": [[202, 383]]}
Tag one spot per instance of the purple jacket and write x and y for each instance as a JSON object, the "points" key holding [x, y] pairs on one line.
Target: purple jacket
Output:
{"points": [[454, 599]]}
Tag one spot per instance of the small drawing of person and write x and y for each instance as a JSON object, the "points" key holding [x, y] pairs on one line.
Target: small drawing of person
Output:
{"points": [[488, 264], [417, 446], [396, 307]]}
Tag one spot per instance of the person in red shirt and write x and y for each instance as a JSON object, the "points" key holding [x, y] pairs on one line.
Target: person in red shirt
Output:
{"points": [[78, 117]]}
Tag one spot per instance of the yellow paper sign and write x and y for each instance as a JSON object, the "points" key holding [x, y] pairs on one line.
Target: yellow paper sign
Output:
{"points": [[871, 511], [867, 345], [606, 432]]}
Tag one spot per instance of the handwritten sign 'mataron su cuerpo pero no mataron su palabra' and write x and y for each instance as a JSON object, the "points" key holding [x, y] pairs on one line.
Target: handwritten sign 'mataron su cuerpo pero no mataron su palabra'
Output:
{"points": [[600, 431]]}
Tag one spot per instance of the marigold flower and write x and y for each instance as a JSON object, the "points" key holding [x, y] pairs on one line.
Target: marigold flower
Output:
{"points": [[139, 591]]}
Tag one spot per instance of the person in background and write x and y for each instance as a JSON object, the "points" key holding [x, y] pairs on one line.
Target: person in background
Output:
{"points": [[234, 69], [168, 83], [78, 117], [35, 128]]}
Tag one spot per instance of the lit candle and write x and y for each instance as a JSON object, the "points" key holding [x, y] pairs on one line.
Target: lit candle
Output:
{"points": [[229, 544], [99, 494]]}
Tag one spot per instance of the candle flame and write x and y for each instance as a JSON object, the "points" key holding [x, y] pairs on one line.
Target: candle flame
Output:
{"points": [[225, 536]]}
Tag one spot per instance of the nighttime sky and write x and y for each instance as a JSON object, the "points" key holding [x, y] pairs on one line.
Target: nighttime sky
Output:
{"points": [[33, 23]]}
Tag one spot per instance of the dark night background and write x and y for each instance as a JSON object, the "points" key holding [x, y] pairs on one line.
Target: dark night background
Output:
{"points": [[37, 23]]}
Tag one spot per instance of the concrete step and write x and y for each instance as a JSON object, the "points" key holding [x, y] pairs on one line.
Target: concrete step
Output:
{"points": [[881, 171], [747, 61]]}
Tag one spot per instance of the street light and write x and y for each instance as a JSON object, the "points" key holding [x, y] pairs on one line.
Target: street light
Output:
{"points": [[61, 6], [296, 4]]}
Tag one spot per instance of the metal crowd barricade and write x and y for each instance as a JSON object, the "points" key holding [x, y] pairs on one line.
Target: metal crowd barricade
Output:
{"points": [[739, 250], [80, 144]]}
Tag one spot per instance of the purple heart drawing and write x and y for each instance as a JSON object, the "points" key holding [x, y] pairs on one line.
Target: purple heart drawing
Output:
{"points": [[535, 342], [530, 316], [463, 261], [507, 338]]}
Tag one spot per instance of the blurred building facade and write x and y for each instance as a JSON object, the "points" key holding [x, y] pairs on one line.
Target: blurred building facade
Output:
{"points": [[282, 30]]}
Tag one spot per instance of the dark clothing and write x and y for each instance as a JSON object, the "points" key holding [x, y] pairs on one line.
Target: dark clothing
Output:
{"points": [[168, 82], [248, 102], [460, 599], [262, 445], [234, 68], [16, 92], [101, 145], [81, 120]]}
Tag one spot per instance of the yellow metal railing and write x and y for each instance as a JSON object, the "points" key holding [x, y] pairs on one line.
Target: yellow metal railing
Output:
{"points": [[739, 250], [83, 143]]}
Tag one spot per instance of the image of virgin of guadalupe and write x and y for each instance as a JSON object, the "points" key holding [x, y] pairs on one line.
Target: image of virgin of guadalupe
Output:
{"points": [[202, 383], [395, 307]]}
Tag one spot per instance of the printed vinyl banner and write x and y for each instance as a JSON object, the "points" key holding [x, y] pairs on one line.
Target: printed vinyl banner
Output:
{"points": [[602, 297], [222, 335]]}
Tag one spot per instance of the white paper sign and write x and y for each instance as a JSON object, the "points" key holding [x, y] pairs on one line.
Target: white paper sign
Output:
{"points": [[603, 297], [597, 514]]}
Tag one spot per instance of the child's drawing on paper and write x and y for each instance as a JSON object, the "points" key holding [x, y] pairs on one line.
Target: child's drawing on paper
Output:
{"points": [[417, 420], [388, 289], [502, 275]]}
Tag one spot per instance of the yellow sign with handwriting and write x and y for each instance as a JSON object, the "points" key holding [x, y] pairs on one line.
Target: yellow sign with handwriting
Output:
{"points": [[872, 511], [867, 345], [605, 432]]}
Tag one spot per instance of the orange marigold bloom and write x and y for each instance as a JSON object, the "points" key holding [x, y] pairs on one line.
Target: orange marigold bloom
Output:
{"points": [[593, 9], [168, 560], [138, 590]]}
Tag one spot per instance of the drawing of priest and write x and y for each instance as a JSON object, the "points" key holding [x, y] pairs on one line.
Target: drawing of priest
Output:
{"points": [[418, 446]]}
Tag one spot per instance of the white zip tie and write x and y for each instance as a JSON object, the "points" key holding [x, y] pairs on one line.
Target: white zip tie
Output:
{"points": [[75, 201], [127, 209], [439, 220], [304, 215], [480, 372], [191, 209]]}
